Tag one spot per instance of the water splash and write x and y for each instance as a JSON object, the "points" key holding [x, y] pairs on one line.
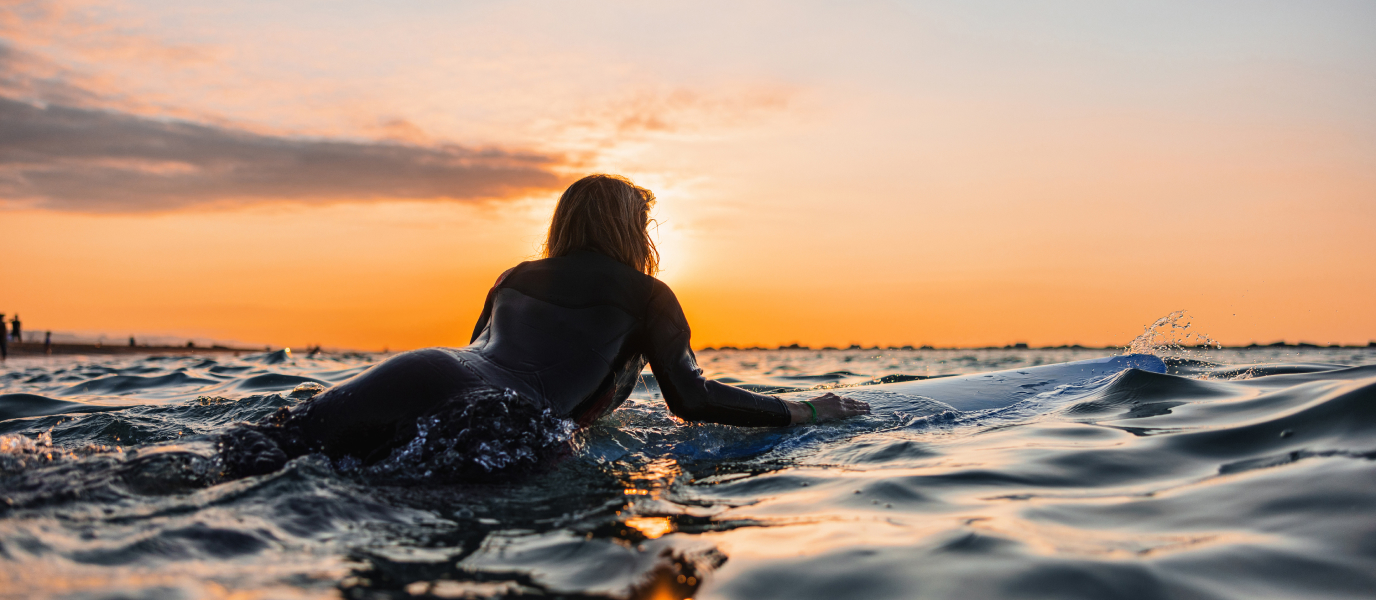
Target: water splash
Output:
{"points": [[1171, 337], [309, 389], [20, 452], [20, 445], [484, 435]]}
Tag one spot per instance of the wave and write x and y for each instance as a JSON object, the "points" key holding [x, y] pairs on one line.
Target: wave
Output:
{"points": [[1215, 479]]}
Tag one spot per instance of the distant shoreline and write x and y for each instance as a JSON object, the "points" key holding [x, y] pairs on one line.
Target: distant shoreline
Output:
{"points": [[39, 349], [30, 349]]}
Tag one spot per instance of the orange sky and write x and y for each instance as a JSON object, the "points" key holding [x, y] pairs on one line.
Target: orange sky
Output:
{"points": [[955, 174]]}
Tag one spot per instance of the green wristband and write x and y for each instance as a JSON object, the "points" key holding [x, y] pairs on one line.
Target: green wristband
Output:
{"points": [[814, 411]]}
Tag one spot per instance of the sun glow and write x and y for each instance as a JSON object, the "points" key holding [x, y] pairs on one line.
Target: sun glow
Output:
{"points": [[675, 247]]}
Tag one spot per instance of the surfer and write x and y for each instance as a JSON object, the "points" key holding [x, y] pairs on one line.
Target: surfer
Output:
{"points": [[560, 338]]}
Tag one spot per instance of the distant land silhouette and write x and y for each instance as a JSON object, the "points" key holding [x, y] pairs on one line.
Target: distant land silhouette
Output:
{"points": [[29, 348]]}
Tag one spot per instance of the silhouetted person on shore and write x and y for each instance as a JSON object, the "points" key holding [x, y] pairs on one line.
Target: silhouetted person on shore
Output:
{"points": [[4, 339], [131, 342], [48, 343], [15, 330]]}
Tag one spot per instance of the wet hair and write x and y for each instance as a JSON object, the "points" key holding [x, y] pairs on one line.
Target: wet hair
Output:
{"points": [[606, 214]]}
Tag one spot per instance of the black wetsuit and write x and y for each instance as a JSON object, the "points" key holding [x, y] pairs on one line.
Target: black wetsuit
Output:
{"points": [[570, 334]]}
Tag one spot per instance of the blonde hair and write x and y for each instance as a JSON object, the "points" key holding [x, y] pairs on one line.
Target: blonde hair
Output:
{"points": [[607, 214]]}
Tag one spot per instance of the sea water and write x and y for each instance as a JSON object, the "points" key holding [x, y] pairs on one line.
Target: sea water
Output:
{"points": [[1238, 474]]}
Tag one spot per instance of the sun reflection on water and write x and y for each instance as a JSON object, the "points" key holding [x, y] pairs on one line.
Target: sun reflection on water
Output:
{"points": [[651, 527]]}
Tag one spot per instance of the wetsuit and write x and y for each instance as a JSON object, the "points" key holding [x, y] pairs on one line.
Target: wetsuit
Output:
{"points": [[570, 334]]}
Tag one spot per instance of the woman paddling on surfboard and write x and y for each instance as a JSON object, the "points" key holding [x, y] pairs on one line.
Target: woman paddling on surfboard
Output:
{"points": [[560, 339]]}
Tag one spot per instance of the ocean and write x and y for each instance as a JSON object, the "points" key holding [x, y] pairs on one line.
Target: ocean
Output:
{"points": [[1240, 473]]}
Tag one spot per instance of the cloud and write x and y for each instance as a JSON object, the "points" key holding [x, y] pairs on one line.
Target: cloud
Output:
{"points": [[92, 30], [77, 159], [25, 75], [94, 118], [73, 141], [686, 110]]}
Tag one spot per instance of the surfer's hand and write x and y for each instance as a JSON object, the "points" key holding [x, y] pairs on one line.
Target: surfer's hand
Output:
{"points": [[830, 407]]}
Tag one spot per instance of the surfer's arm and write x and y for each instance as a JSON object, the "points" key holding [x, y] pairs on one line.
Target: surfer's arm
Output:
{"points": [[827, 407], [691, 396]]}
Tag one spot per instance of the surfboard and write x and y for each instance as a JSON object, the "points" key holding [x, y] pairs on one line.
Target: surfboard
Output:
{"points": [[996, 389]]}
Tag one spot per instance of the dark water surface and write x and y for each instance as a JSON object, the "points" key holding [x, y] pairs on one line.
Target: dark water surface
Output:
{"points": [[1239, 474]]}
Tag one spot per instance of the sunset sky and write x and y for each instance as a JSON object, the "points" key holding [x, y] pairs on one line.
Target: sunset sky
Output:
{"points": [[965, 173]]}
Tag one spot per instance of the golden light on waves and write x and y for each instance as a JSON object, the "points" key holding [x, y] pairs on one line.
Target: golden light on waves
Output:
{"points": [[651, 527]]}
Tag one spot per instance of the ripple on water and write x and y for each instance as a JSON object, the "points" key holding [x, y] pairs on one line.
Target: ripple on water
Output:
{"points": [[1236, 474]]}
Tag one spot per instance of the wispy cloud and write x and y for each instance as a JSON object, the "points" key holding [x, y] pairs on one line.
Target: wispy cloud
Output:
{"points": [[91, 29], [76, 159], [71, 141], [99, 113], [28, 76]]}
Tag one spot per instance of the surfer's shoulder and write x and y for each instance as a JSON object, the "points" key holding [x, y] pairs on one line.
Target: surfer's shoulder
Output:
{"points": [[505, 274]]}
